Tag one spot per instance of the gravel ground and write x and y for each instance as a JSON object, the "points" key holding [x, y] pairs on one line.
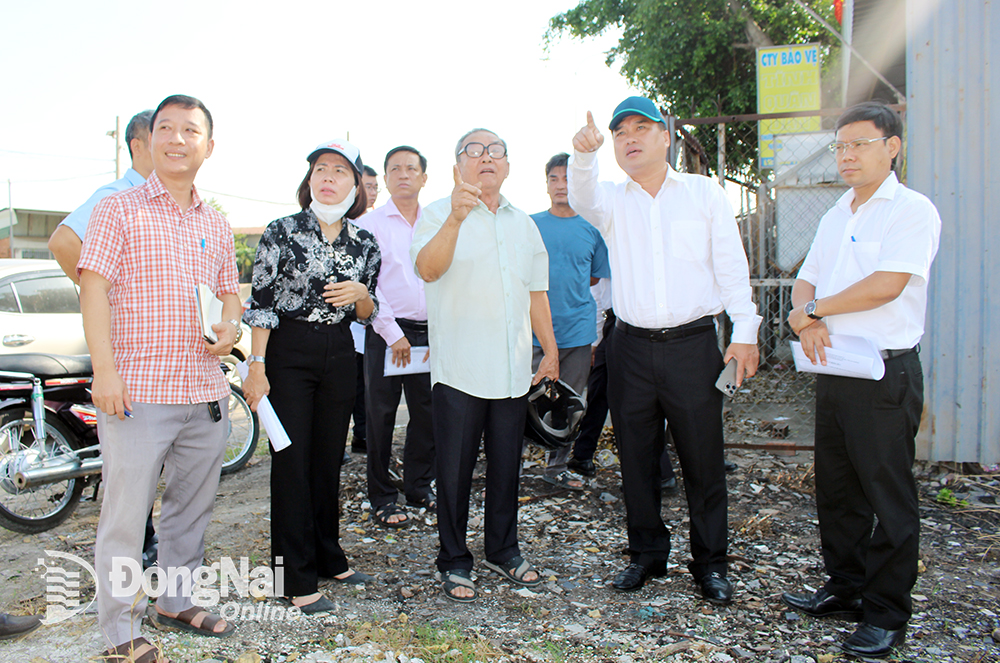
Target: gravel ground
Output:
{"points": [[577, 541]]}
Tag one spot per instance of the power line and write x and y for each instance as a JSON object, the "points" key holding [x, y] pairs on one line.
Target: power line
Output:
{"points": [[253, 200], [53, 156], [65, 179]]}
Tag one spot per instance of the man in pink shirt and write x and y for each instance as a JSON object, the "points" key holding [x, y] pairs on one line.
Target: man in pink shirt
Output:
{"points": [[400, 325], [156, 381]]}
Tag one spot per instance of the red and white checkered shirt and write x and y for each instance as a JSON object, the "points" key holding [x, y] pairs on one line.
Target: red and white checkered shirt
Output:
{"points": [[154, 256]]}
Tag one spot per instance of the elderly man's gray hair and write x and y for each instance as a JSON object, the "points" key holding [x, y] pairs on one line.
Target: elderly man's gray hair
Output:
{"points": [[458, 147]]}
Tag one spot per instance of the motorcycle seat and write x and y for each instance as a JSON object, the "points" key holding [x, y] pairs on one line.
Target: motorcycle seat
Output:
{"points": [[46, 366]]}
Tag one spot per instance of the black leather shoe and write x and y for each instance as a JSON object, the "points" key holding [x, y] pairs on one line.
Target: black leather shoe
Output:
{"points": [[716, 588], [731, 467], [633, 577], [669, 486], [322, 604], [12, 626], [582, 466], [359, 445], [873, 642], [824, 604]]}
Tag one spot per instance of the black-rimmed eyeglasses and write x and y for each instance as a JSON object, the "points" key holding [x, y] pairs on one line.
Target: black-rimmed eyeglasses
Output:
{"points": [[475, 150]]}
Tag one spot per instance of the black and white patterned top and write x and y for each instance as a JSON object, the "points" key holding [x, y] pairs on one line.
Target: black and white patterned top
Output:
{"points": [[294, 263]]}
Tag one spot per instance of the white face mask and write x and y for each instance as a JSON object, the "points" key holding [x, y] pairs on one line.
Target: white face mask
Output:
{"points": [[330, 214]]}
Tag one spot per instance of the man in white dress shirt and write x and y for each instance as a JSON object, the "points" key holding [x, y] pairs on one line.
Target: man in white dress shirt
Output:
{"points": [[866, 275], [676, 261]]}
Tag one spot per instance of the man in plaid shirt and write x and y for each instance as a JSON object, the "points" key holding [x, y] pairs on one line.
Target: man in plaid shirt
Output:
{"points": [[157, 382]]}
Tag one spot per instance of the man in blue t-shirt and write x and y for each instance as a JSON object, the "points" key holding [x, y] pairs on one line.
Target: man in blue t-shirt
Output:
{"points": [[578, 257]]}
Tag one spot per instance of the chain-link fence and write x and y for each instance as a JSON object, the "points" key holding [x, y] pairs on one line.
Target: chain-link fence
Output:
{"points": [[781, 179]]}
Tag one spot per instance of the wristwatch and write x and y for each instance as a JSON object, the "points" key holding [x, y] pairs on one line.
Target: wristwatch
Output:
{"points": [[239, 329], [810, 310], [255, 359]]}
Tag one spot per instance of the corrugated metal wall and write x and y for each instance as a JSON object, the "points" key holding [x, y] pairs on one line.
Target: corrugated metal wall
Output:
{"points": [[951, 114]]}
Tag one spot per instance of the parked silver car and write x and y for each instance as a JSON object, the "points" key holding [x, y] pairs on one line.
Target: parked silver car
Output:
{"points": [[40, 312]]}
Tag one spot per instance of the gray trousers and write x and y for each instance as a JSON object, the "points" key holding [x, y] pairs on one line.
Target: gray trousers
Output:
{"points": [[188, 445], [574, 369]]}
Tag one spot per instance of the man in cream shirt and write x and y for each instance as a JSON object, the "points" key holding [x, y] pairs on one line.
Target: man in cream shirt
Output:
{"points": [[486, 273]]}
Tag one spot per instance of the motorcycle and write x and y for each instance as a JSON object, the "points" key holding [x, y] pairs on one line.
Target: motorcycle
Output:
{"points": [[49, 451]]}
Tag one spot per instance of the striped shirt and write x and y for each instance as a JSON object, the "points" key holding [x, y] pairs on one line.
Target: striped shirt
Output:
{"points": [[154, 256]]}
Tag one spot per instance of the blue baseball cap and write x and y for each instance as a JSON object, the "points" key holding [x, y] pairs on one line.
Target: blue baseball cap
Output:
{"points": [[635, 106]]}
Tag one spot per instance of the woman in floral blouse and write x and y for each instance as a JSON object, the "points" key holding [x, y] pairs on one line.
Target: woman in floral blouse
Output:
{"points": [[314, 274]]}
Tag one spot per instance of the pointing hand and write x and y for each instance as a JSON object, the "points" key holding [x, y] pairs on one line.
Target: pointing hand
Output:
{"points": [[589, 138]]}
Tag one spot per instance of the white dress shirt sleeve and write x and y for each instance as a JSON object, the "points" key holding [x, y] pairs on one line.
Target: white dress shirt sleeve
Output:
{"points": [[732, 272], [589, 198], [910, 241]]}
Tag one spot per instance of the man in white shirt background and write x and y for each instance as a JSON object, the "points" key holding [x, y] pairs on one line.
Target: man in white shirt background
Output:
{"points": [[359, 435], [677, 260], [866, 275]]}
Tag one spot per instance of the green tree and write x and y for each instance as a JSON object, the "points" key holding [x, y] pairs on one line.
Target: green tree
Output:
{"points": [[244, 258], [244, 252], [696, 58]]}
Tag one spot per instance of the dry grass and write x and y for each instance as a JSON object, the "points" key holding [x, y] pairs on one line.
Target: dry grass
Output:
{"points": [[445, 643]]}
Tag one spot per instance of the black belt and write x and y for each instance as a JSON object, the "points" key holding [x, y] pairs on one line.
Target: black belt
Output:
{"points": [[699, 326], [413, 325], [324, 327], [891, 354]]}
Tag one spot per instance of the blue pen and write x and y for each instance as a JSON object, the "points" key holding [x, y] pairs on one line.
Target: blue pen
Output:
{"points": [[129, 414], [852, 239], [203, 244]]}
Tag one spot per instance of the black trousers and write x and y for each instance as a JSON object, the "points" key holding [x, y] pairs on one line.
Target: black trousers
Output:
{"points": [[647, 382], [597, 397], [460, 421], [311, 369], [381, 402], [866, 496]]}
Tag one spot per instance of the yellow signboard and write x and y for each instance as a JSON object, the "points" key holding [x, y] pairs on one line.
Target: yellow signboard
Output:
{"points": [[787, 80]]}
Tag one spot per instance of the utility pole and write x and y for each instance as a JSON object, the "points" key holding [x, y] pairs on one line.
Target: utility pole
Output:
{"points": [[116, 133], [10, 219], [847, 29]]}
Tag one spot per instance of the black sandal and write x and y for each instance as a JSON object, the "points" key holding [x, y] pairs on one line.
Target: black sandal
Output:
{"points": [[383, 513], [428, 501]]}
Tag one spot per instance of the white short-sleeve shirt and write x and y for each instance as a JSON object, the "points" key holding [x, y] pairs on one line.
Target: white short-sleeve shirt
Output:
{"points": [[896, 230], [479, 311]]}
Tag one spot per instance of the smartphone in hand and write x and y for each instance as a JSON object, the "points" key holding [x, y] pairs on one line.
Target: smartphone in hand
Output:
{"points": [[727, 379]]}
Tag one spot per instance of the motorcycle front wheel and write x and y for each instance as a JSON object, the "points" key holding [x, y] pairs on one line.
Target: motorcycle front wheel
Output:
{"points": [[37, 509], [244, 429]]}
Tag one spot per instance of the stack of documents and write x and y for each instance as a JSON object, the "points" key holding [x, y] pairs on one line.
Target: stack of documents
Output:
{"points": [[418, 353], [850, 356], [209, 311]]}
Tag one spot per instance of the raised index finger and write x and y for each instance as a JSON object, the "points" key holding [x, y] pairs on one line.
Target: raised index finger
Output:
{"points": [[458, 175], [590, 120]]}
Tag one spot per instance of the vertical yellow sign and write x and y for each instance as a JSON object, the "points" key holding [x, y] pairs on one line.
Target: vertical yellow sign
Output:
{"points": [[787, 80]]}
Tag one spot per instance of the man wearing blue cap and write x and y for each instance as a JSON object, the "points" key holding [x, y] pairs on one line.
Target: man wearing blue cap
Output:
{"points": [[676, 261]]}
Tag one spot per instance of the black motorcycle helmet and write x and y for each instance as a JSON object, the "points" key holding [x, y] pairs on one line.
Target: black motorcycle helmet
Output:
{"points": [[554, 414]]}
